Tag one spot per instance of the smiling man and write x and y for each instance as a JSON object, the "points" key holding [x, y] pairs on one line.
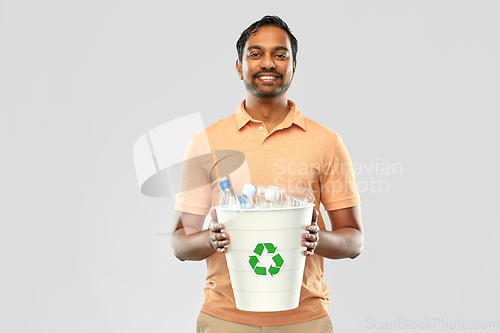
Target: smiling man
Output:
{"points": [[275, 138], [273, 80], [266, 64]]}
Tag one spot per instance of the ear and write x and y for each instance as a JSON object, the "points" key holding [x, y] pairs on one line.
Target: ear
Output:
{"points": [[294, 65], [238, 68]]}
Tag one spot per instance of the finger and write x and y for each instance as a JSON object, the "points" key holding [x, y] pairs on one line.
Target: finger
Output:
{"points": [[221, 243], [217, 236], [213, 214], [221, 249], [315, 216], [310, 237], [217, 245], [308, 253], [313, 228], [309, 245], [215, 227], [220, 236]]}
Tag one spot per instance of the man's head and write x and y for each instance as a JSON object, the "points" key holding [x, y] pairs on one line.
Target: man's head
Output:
{"points": [[266, 21], [267, 57]]}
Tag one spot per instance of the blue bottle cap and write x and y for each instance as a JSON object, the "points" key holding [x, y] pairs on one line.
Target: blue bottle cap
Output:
{"points": [[224, 184]]}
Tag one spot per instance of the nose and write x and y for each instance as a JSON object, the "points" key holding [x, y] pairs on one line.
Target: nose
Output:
{"points": [[267, 62]]}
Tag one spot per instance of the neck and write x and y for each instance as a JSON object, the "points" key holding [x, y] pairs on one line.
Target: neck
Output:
{"points": [[272, 111]]}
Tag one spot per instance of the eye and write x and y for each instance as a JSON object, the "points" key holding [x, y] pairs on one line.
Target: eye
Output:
{"points": [[282, 56], [253, 55]]}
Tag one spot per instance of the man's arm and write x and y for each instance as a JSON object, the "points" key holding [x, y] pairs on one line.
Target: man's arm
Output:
{"points": [[346, 238], [189, 243]]}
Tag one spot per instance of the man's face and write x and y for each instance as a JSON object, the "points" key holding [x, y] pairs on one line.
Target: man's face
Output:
{"points": [[267, 69]]}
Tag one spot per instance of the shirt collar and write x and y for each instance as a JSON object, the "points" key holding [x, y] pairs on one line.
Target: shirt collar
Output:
{"points": [[293, 117]]}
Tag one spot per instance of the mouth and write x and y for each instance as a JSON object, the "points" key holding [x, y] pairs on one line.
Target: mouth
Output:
{"points": [[267, 77]]}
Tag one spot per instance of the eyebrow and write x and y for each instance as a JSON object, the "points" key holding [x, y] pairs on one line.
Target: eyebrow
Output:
{"points": [[277, 48]]}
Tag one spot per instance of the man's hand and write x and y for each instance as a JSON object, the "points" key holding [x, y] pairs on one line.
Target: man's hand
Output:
{"points": [[218, 239], [311, 237]]}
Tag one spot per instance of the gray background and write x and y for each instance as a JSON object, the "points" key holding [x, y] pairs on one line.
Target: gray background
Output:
{"points": [[413, 84]]}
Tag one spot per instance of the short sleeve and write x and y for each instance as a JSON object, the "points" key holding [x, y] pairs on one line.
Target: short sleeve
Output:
{"points": [[194, 190], [338, 184]]}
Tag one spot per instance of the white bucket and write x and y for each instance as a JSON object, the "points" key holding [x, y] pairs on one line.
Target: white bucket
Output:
{"points": [[273, 237]]}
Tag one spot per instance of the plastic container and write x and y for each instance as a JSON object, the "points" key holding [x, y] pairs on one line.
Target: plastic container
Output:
{"points": [[265, 257], [231, 199], [280, 199], [264, 197]]}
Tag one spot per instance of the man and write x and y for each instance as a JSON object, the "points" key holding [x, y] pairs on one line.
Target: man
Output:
{"points": [[280, 146]]}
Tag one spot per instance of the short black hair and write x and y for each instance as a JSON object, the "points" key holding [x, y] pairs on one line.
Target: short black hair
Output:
{"points": [[266, 21]]}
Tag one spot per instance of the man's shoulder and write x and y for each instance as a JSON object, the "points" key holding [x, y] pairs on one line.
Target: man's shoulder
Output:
{"points": [[219, 125], [320, 130], [222, 125]]}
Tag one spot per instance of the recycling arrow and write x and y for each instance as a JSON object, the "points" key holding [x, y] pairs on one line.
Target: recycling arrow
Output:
{"points": [[271, 249]]}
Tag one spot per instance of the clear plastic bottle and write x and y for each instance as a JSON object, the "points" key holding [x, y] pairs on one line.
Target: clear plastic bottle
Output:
{"points": [[280, 199], [264, 196], [308, 197], [231, 199], [303, 194], [260, 197], [244, 202], [256, 193], [249, 192]]}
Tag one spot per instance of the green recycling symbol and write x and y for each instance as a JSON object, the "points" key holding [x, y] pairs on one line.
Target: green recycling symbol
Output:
{"points": [[278, 260]]}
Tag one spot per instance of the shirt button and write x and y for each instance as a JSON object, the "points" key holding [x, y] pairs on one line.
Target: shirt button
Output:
{"points": [[261, 128], [265, 140]]}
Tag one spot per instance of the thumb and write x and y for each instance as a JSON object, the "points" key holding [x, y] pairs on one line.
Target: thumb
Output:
{"points": [[315, 216], [213, 214]]}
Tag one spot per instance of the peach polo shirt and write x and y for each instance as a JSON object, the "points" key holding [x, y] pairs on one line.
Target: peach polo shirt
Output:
{"points": [[297, 152]]}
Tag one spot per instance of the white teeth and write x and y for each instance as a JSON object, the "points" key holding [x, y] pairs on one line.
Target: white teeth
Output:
{"points": [[267, 77]]}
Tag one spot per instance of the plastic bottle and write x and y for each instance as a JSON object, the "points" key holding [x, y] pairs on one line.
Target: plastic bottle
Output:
{"points": [[249, 192], [231, 199], [308, 197], [260, 197], [303, 194], [245, 202], [256, 193], [280, 199], [264, 196]]}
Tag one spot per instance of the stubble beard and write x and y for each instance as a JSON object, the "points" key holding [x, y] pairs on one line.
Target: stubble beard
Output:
{"points": [[254, 89]]}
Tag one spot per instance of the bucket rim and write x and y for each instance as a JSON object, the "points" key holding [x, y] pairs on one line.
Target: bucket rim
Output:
{"points": [[261, 209]]}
